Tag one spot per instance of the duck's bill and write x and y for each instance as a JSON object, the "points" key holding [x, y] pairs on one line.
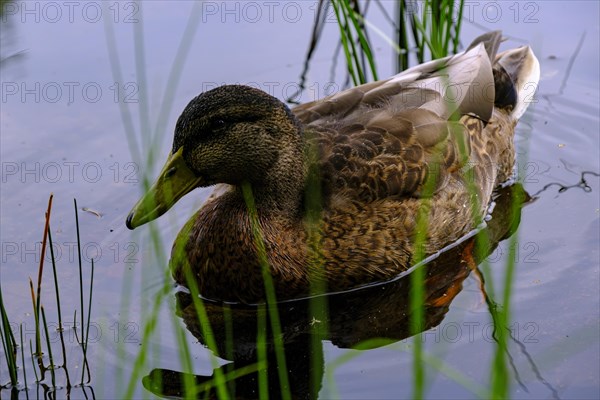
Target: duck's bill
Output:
{"points": [[175, 180]]}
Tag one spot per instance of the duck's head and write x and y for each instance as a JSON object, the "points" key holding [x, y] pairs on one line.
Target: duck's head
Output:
{"points": [[232, 134]]}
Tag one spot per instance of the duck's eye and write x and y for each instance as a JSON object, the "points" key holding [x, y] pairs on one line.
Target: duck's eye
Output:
{"points": [[217, 124]]}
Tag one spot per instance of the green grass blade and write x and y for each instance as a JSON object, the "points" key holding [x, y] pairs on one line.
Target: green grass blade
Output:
{"points": [[80, 267], [59, 313], [140, 360], [345, 45], [359, 27], [269, 291], [179, 257], [207, 332], [51, 366], [142, 80], [402, 58], [417, 289], [185, 46], [87, 329], [23, 360], [261, 352], [447, 25], [318, 304], [190, 387], [463, 380], [457, 27], [38, 300], [115, 65], [229, 345], [8, 343], [37, 379]]}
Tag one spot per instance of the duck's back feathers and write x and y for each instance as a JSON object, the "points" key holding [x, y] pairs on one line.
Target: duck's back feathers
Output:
{"points": [[389, 138], [391, 155]]}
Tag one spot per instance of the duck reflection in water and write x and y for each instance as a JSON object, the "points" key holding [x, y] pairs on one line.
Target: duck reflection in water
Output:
{"points": [[365, 318]]}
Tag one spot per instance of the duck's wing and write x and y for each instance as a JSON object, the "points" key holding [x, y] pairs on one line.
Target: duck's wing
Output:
{"points": [[463, 83], [411, 152], [389, 138]]}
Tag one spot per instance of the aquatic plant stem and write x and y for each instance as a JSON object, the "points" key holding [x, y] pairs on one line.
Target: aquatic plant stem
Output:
{"points": [[269, 291], [38, 351], [59, 313], [80, 267], [50, 358], [417, 287], [87, 329], [229, 346], [261, 352], [32, 361], [23, 359], [190, 388], [8, 343], [40, 274], [361, 32], [318, 304], [206, 328]]}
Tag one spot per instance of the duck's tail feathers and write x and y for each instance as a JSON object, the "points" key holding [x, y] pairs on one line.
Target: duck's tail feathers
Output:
{"points": [[491, 41], [516, 77]]}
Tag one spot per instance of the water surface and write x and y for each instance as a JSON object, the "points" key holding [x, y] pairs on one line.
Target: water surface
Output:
{"points": [[62, 132]]}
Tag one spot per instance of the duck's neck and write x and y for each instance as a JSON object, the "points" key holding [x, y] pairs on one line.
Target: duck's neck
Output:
{"points": [[280, 190]]}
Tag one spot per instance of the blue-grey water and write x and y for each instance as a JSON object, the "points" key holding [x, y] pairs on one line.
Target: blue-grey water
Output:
{"points": [[63, 117]]}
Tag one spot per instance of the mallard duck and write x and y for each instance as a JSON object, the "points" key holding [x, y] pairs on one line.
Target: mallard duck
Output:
{"points": [[330, 191]]}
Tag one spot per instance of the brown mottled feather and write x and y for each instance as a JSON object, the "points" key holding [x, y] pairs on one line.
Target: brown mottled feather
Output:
{"points": [[378, 147]]}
